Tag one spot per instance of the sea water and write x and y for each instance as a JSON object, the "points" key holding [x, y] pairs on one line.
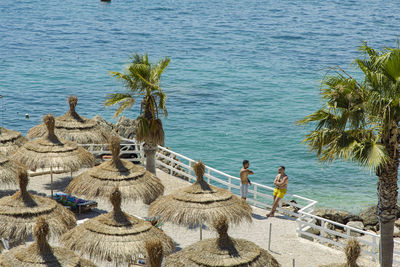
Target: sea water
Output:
{"points": [[241, 74]]}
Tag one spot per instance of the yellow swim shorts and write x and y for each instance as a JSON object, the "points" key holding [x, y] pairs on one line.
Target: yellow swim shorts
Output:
{"points": [[280, 193]]}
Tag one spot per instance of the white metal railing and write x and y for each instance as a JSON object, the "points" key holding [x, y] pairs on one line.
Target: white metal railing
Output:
{"points": [[260, 196], [128, 147]]}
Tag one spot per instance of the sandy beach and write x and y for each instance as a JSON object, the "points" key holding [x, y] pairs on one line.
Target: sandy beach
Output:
{"points": [[285, 244]]}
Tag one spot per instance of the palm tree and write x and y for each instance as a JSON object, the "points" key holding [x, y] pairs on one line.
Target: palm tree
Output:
{"points": [[142, 80], [359, 122]]}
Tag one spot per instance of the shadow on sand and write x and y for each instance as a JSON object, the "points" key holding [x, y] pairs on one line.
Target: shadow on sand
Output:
{"points": [[59, 184], [90, 214], [195, 226], [10, 192], [280, 216], [177, 247]]}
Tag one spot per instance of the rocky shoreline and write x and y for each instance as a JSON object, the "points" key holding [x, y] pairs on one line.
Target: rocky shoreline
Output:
{"points": [[366, 219]]}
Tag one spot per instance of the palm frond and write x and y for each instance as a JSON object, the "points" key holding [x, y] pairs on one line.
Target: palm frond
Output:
{"points": [[370, 154], [142, 73], [326, 119], [128, 103], [392, 65], [124, 100], [161, 101], [372, 53], [126, 79], [161, 65], [115, 98], [357, 118]]}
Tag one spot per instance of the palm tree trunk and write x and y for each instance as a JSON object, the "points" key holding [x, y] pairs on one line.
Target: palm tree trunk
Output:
{"points": [[387, 200], [387, 194], [150, 152], [386, 246]]}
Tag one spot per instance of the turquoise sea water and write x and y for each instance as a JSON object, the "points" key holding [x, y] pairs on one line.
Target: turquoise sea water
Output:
{"points": [[241, 74]]}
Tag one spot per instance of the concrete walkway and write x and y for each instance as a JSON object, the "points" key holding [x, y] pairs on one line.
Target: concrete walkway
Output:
{"points": [[285, 244]]}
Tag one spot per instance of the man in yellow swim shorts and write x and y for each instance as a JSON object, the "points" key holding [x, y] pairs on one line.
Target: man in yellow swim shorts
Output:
{"points": [[281, 181]]}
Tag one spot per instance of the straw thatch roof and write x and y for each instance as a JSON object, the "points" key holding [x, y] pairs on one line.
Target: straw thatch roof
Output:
{"points": [[115, 236], [134, 181], [200, 203], [352, 251], [9, 171], [18, 213], [50, 151], [222, 251], [40, 253], [10, 140], [71, 126], [155, 253]]}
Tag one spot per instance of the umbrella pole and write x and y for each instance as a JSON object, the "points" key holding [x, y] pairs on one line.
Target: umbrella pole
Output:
{"points": [[201, 229], [51, 180]]}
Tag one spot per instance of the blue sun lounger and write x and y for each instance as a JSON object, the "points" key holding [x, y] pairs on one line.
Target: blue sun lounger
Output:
{"points": [[74, 203]]}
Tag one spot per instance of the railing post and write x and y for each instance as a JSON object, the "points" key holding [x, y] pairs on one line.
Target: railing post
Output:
{"points": [[190, 169], [208, 175], [299, 229], [230, 182], [323, 230], [171, 163]]}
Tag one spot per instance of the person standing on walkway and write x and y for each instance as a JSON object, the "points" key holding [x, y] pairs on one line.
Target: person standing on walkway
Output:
{"points": [[281, 182], [244, 179]]}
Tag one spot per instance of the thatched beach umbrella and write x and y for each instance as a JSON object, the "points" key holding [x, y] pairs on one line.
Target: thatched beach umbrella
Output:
{"points": [[352, 251], [51, 152], [40, 253], [200, 203], [134, 181], [73, 127], [115, 236], [18, 213], [10, 141], [222, 251], [9, 171]]}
